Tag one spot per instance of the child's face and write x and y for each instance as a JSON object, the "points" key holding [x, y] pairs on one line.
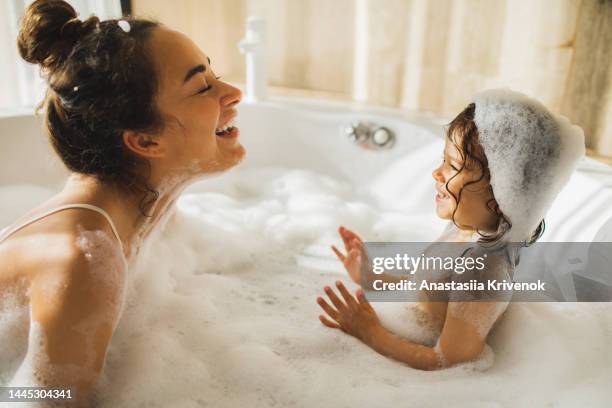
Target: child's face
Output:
{"points": [[472, 212]]}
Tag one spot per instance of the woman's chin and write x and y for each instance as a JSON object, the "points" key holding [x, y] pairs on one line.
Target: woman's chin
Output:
{"points": [[229, 157], [234, 155]]}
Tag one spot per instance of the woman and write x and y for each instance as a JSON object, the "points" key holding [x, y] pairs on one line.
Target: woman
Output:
{"points": [[505, 159], [136, 113]]}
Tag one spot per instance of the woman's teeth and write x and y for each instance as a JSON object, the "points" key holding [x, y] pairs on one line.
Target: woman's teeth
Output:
{"points": [[223, 130]]}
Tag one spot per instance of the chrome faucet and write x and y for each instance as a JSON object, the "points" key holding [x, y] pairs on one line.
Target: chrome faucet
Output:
{"points": [[370, 135], [253, 46]]}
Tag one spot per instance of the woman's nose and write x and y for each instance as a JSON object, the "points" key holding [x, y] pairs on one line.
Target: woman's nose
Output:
{"points": [[231, 95]]}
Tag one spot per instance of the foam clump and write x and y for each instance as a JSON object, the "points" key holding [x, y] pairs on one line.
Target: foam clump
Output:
{"points": [[14, 324], [222, 314], [531, 154]]}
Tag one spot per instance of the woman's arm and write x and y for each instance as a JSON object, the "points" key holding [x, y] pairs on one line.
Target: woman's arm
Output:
{"points": [[462, 339], [76, 304]]}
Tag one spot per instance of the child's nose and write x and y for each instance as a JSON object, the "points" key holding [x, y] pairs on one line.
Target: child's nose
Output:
{"points": [[437, 174]]}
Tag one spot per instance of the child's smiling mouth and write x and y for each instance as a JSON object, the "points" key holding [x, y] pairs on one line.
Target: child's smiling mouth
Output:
{"points": [[441, 195]]}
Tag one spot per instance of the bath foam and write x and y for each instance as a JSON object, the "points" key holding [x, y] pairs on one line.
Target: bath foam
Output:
{"points": [[219, 314], [14, 321], [531, 154]]}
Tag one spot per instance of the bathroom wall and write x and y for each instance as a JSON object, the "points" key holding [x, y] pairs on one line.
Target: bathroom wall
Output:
{"points": [[429, 55], [23, 137]]}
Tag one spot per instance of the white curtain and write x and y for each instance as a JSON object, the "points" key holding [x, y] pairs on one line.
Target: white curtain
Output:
{"points": [[425, 55], [22, 87]]}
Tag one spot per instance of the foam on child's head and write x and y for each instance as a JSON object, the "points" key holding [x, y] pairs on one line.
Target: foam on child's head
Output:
{"points": [[531, 154]]}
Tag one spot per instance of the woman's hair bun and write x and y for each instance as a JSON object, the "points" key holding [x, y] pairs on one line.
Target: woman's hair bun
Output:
{"points": [[49, 31]]}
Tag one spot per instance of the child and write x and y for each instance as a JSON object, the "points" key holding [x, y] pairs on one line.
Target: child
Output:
{"points": [[505, 159]]}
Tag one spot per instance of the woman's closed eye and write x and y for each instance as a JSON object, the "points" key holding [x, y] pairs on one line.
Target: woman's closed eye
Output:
{"points": [[207, 88]]}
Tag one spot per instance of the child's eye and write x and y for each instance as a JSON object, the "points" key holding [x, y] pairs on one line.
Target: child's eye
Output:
{"points": [[451, 166]]}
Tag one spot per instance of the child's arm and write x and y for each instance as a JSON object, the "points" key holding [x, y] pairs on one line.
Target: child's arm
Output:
{"points": [[461, 339]]}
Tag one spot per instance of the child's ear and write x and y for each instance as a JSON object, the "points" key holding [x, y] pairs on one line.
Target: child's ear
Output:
{"points": [[143, 144]]}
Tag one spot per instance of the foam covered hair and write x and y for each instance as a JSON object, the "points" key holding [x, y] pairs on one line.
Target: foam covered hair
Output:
{"points": [[531, 153]]}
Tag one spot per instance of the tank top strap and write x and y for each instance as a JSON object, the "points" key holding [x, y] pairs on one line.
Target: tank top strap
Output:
{"points": [[7, 232]]}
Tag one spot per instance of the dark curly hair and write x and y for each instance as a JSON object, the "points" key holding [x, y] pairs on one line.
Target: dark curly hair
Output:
{"points": [[463, 133], [101, 82]]}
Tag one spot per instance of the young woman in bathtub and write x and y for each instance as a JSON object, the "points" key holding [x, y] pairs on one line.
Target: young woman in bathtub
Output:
{"points": [[505, 159], [136, 113]]}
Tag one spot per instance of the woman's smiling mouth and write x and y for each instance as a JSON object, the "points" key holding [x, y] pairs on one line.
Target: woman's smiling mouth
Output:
{"points": [[227, 130]]}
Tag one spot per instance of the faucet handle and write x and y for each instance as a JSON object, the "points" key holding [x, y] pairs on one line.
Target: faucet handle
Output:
{"points": [[369, 135], [356, 132], [256, 29], [382, 137]]}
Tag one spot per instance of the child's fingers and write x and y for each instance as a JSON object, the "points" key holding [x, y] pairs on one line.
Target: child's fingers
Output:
{"points": [[362, 299], [335, 300], [353, 255], [351, 235], [363, 255], [356, 244], [348, 298], [346, 239], [328, 322], [338, 253], [333, 313]]}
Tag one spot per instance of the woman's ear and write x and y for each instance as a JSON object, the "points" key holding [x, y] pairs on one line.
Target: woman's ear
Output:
{"points": [[143, 144]]}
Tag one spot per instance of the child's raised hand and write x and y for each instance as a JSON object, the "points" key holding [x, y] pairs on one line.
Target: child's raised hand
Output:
{"points": [[354, 253], [354, 316]]}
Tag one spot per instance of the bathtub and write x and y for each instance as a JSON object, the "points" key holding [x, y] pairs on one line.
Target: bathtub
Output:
{"points": [[221, 309], [308, 134]]}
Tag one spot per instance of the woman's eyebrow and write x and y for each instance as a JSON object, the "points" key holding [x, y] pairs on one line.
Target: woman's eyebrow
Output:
{"points": [[193, 71]]}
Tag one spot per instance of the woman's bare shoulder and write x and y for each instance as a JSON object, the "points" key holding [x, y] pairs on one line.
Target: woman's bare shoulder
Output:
{"points": [[59, 242], [74, 252], [87, 274]]}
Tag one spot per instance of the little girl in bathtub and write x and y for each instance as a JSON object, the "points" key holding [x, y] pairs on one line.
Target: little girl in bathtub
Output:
{"points": [[505, 159]]}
